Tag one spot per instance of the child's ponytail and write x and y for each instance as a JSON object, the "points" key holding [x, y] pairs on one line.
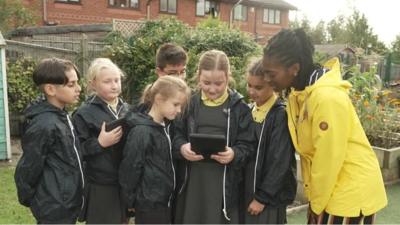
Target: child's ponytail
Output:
{"points": [[147, 96], [166, 86]]}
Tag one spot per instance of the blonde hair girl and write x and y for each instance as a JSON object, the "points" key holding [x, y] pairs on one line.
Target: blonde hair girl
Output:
{"points": [[209, 184], [100, 148], [147, 173]]}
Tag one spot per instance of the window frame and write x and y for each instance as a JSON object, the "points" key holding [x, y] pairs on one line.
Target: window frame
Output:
{"points": [[167, 11], [74, 2], [129, 5], [210, 2], [241, 11], [266, 12]]}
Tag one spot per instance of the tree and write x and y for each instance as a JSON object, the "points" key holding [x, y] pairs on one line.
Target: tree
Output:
{"points": [[354, 31], [304, 23], [13, 15], [336, 30], [396, 49], [317, 34], [360, 34]]}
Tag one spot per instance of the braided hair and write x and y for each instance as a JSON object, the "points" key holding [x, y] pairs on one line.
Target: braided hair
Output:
{"points": [[289, 47]]}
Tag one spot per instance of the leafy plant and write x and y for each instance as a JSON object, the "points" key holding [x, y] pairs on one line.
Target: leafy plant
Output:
{"points": [[376, 110], [13, 14], [136, 55], [21, 89]]}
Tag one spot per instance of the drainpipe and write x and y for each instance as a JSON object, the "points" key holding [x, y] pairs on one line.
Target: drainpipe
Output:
{"points": [[45, 12], [255, 24], [148, 8], [231, 13]]}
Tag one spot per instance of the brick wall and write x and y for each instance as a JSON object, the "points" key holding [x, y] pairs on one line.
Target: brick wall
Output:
{"points": [[98, 11]]}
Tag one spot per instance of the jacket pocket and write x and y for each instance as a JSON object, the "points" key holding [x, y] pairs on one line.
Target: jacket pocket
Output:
{"points": [[67, 187]]}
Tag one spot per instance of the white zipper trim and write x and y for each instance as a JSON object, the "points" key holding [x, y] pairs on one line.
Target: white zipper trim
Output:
{"points": [[258, 151], [71, 127], [112, 111], [184, 181], [172, 163], [311, 77], [224, 179]]}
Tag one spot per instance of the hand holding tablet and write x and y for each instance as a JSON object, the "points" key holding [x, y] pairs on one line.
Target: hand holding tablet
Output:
{"points": [[211, 146], [115, 123]]}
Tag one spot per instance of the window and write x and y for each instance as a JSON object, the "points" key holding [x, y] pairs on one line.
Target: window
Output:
{"points": [[272, 16], [206, 7], [68, 1], [240, 13], [168, 6], [124, 3]]}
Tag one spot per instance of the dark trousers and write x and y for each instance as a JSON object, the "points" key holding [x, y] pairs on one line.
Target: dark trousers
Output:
{"points": [[159, 216], [60, 221], [104, 205]]}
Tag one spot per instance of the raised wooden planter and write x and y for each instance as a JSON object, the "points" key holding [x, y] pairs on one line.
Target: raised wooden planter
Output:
{"points": [[389, 163]]}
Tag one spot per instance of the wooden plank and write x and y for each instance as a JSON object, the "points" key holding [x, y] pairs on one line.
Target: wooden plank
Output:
{"points": [[5, 128]]}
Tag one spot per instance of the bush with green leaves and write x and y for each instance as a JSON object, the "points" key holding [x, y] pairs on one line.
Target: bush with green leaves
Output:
{"points": [[136, 54], [21, 89]]}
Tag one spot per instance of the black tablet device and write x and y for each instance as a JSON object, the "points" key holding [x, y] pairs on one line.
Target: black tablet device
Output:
{"points": [[207, 144], [115, 123]]}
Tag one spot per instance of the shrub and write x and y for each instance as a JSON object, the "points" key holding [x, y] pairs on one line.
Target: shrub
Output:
{"points": [[136, 55], [21, 89]]}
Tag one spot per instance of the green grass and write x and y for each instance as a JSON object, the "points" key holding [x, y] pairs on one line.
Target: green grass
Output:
{"points": [[12, 212], [388, 215]]}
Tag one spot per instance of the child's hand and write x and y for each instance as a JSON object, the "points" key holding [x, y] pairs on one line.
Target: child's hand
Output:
{"points": [[224, 157], [190, 155], [106, 139], [255, 207]]}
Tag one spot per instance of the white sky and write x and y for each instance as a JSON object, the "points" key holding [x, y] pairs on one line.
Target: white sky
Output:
{"points": [[383, 15]]}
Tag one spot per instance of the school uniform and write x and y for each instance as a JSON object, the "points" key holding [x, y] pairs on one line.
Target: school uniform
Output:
{"points": [[208, 191], [147, 174], [270, 174], [340, 170], [49, 175], [101, 164], [144, 108]]}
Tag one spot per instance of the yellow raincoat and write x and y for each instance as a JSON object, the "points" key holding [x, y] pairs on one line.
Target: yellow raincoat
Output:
{"points": [[340, 170]]}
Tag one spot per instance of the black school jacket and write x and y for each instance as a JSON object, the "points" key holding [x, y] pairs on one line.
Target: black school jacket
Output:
{"points": [[147, 174], [275, 167], [101, 164], [239, 134], [49, 175]]}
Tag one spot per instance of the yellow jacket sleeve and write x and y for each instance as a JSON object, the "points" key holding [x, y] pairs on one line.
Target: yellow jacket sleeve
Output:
{"points": [[330, 126]]}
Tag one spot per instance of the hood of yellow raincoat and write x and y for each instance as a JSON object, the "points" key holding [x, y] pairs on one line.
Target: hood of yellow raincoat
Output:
{"points": [[331, 78]]}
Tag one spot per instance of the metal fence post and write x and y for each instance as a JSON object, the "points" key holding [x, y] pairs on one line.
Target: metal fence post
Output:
{"points": [[388, 67]]}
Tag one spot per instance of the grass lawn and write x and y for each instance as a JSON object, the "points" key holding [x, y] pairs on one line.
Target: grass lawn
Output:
{"points": [[12, 212], [389, 215]]}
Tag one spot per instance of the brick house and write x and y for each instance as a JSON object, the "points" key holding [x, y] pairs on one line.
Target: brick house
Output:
{"points": [[262, 18]]}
